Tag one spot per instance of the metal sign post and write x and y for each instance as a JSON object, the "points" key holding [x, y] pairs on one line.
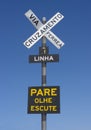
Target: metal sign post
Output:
{"points": [[43, 115]]}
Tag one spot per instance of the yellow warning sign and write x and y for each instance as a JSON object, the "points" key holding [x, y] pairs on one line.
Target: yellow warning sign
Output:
{"points": [[44, 99]]}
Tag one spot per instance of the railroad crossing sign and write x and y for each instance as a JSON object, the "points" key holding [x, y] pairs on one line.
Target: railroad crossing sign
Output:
{"points": [[43, 29]]}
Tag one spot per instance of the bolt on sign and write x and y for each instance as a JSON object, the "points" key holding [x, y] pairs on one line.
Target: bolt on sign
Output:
{"points": [[43, 100]]}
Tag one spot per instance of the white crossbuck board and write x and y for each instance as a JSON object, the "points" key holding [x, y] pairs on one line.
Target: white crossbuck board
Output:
{"points": [[49, 35], [43, 29]]}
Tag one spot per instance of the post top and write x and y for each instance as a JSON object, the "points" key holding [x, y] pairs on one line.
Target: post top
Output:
{"points": [[44, 19]]}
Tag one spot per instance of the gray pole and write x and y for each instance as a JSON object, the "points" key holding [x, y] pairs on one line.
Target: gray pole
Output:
{"points": [[43, 116]]}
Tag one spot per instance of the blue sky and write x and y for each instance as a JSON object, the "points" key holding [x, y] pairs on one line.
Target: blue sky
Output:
{"points": [[72, 73]]}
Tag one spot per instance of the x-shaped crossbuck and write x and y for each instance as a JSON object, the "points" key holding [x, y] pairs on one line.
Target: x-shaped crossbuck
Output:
{"points": [[43, 29]]}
